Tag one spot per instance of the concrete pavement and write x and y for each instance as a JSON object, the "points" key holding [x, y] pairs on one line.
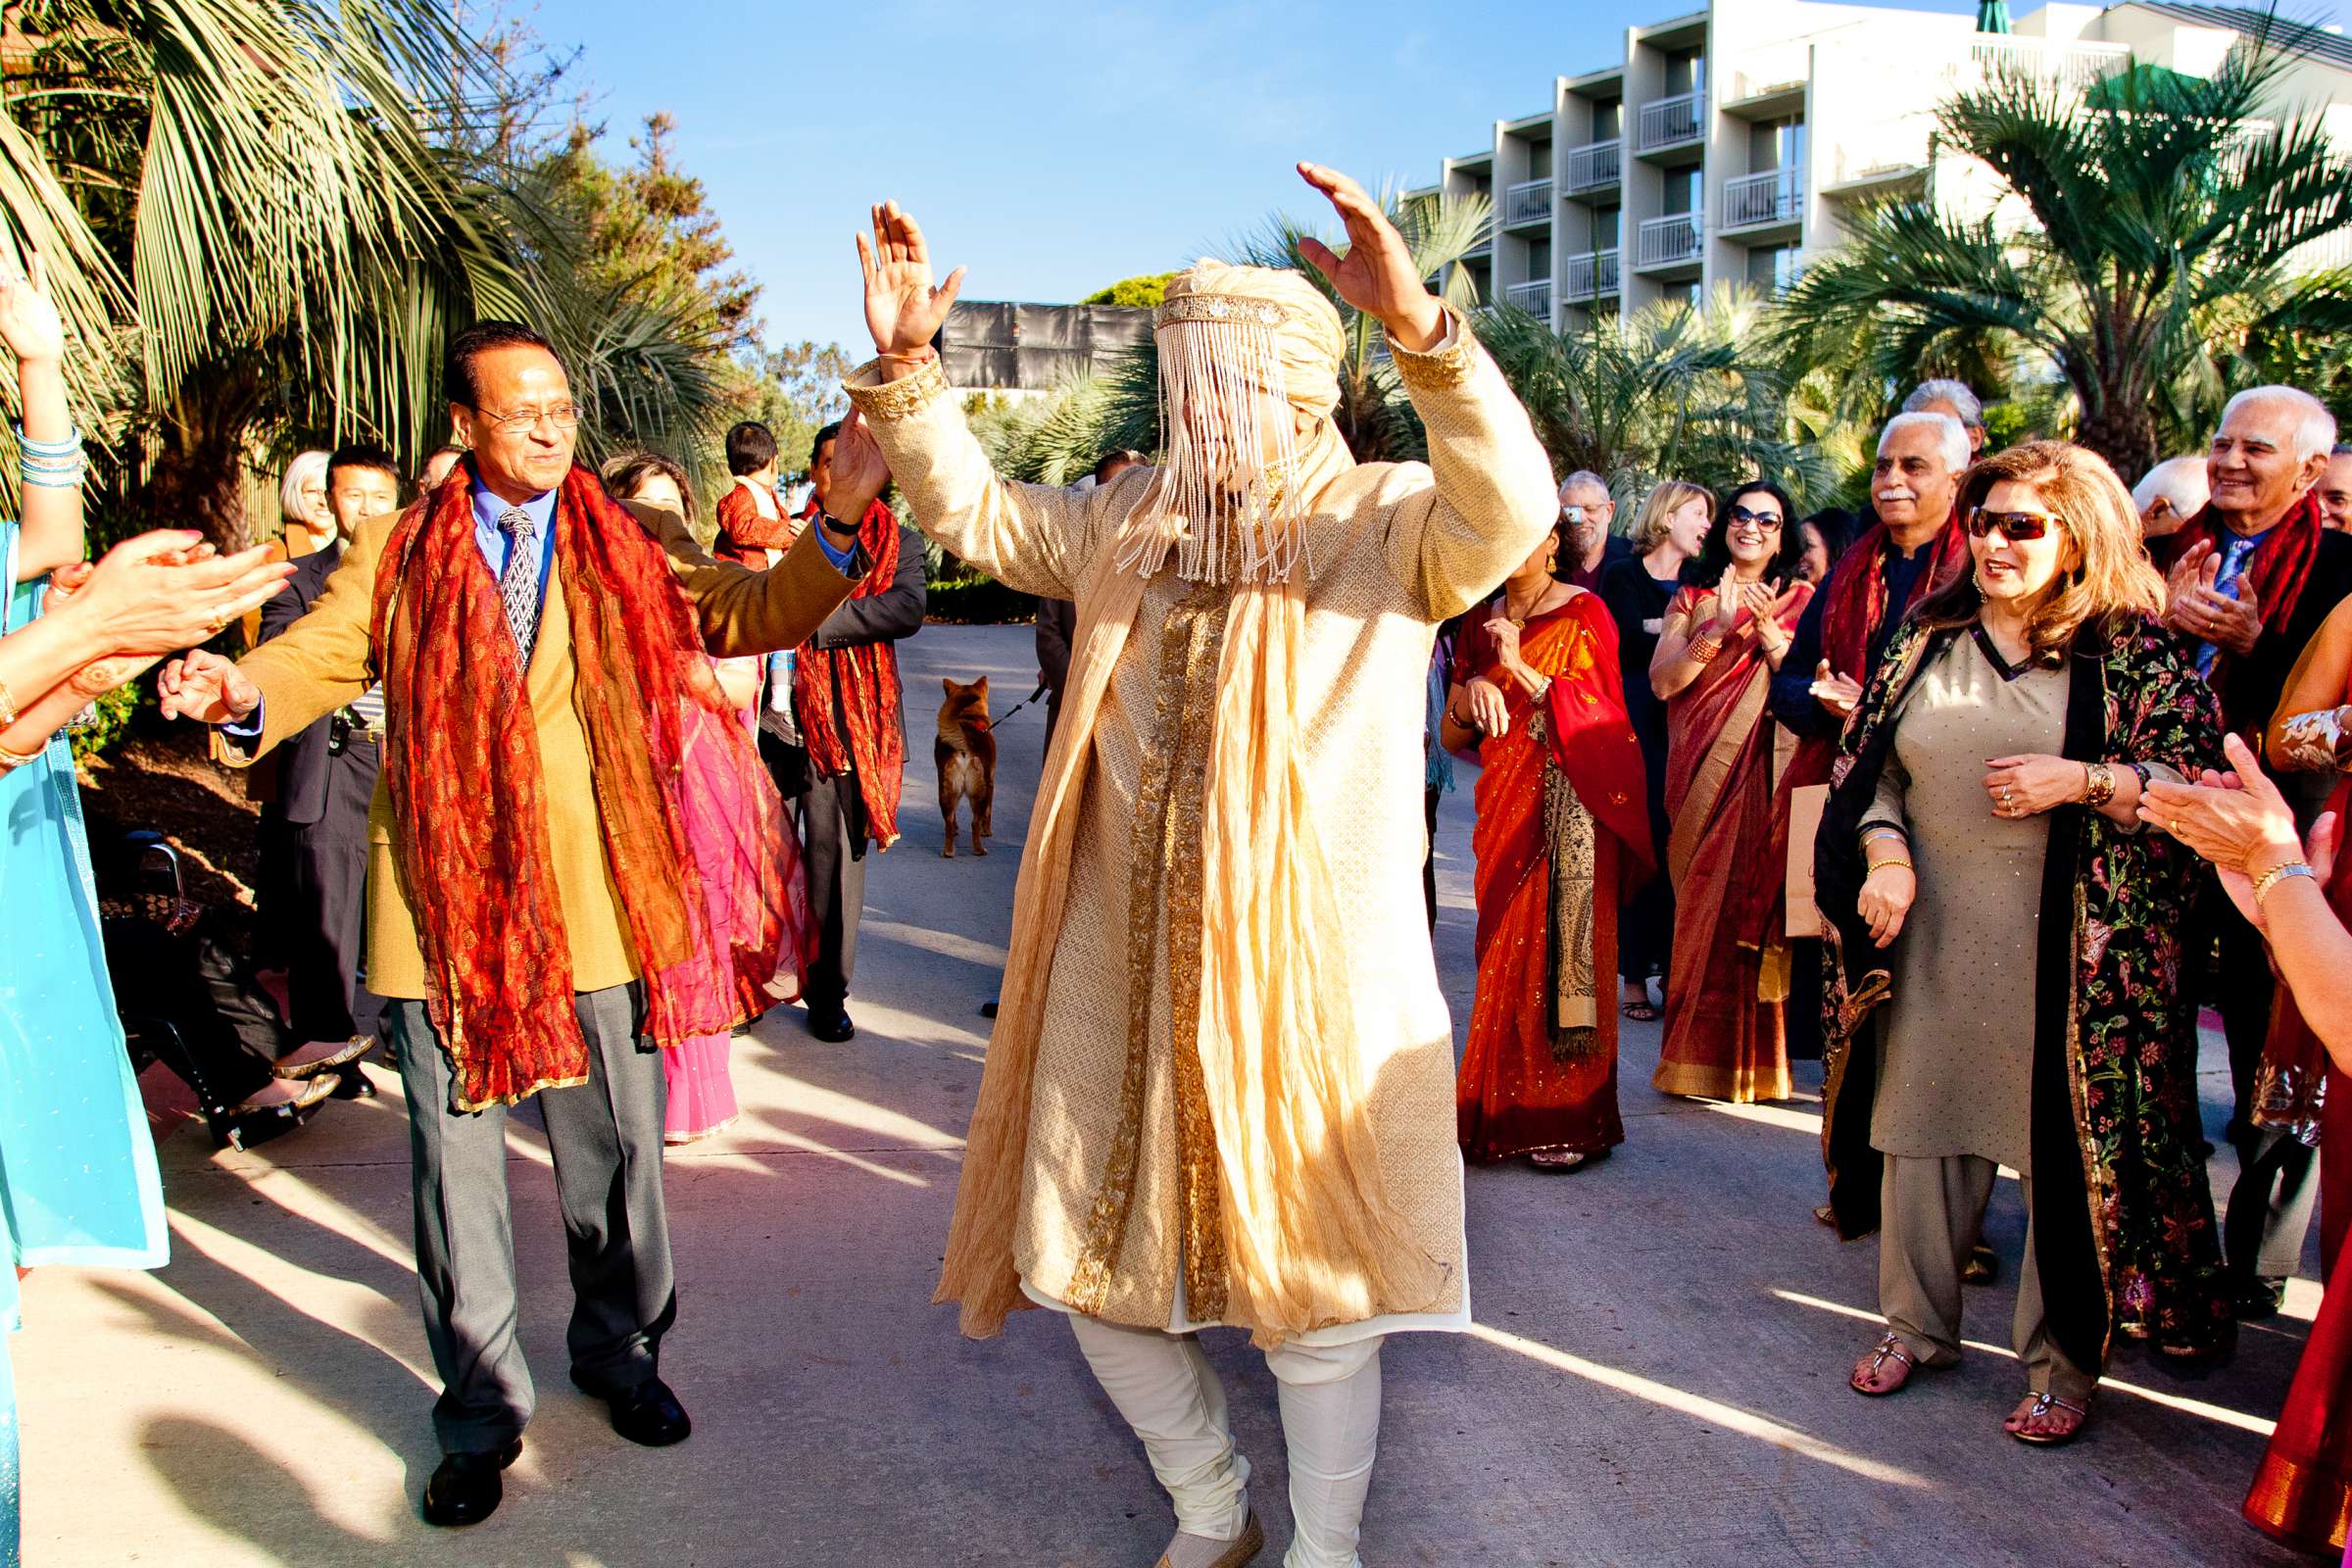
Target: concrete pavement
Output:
{"points": [[1658, 1377]]}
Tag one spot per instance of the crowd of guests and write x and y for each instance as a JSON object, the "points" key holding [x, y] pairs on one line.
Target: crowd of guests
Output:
{"points": [[1962, 795]]}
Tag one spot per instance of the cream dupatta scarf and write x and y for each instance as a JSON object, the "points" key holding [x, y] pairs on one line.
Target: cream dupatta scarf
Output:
{"points": [[1311, 1237]]}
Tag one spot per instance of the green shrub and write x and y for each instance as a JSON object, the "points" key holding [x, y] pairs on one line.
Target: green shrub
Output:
{"points": [[112, 724], [1144, 292], [975, 599]]}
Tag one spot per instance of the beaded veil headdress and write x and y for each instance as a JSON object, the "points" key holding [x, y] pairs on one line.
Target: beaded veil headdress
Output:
{"points": [[1229, 497]]}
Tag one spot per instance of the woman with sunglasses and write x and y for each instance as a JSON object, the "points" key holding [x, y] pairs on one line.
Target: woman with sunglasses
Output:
{"points": [[1713, 669], [2005, 949]]}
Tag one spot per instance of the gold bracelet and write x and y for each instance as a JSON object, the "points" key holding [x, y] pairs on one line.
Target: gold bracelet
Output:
{"points": [[2099, 784], [8, 706], [1892, 859], [2278, 874], [1703, 648], [10, 761]]}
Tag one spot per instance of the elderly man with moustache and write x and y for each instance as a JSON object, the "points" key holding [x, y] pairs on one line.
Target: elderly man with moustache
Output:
{"points": [[2249, 580], [536, 909], [1586, 494]]}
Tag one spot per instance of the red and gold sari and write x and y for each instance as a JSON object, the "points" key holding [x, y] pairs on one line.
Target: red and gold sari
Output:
{"points": [[1562, 834], [1725, 988]]}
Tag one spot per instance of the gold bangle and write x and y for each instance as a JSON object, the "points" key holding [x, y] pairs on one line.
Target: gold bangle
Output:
{"points": [[2278, 874], [2099, 784], [8, 706], [1892, 859], [1703, 648], [10, 761]]}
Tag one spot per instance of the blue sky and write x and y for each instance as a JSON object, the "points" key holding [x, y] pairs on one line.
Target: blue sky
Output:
{"points": [[1052, 148]]}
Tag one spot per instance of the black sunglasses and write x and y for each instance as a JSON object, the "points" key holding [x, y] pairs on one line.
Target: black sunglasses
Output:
{"points": [[2018, 527], [1762, 519]]}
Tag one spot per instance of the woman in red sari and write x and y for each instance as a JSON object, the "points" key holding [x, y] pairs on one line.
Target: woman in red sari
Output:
{"points": [[1713, 669], [1563, 832], [2303, 1491]]}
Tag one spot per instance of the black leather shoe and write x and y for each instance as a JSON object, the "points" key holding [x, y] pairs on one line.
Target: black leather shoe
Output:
{"points": [[465, 1489], [832, 1025], [649, 1414]]}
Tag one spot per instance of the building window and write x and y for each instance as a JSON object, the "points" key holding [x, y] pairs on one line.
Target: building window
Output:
{"points": [[1772, 269], [1604, 227], [1686, 72], [1608, 120], [1680, 188], [1538, 260]]}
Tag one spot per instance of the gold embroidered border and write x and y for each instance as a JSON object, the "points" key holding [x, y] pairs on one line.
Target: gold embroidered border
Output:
{"points": [[1114, 1195], [895, 400], [1199, 1194], [1443, 371], [1236, 309]]}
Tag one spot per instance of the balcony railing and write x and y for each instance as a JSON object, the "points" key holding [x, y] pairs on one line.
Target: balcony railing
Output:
{"points": [[1667, 241], [1776, 196], [2076, 65], [1534, 298], [1592, 275], [1528, 201], [1594, 164], [1670, 122]]}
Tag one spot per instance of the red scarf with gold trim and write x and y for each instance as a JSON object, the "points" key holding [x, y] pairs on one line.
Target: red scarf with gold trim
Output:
{"points": [[867, 678]]}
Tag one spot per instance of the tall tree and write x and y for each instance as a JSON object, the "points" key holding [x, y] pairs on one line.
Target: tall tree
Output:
{"points": [[2158, 265]]}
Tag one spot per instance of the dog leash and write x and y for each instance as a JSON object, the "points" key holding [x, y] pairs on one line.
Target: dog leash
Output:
{"points": [[992, 723]]}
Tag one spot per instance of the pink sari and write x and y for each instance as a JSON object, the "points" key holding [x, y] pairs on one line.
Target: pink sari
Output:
{"points": [[730, 809]]}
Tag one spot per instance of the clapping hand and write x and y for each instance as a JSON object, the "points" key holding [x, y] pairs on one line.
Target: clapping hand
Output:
{"points": [[2195, 605], [1839, 694], [2239, 821], [168, 590], [902, 311], [1377, 275]]}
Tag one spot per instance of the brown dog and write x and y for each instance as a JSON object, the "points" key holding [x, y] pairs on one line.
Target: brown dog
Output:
{"points": [[967, 754]]}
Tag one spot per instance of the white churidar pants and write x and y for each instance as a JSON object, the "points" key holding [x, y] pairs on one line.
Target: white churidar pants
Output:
{"points": [[1169, 1394]]}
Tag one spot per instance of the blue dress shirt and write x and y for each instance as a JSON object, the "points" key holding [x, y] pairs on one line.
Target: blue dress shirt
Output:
{"points": [[495, 544], [839, 558]]}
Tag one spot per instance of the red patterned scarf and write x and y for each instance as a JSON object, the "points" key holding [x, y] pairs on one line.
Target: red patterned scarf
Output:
{"points": [[469, 798], [1858, 593], [2280, 565], [744, 535], [867, 678]]}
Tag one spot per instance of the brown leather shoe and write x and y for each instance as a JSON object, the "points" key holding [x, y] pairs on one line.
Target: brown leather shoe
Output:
{"points": [[1243, 1549]]}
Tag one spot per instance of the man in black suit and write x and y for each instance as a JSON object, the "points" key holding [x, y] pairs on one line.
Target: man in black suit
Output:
{"points": [[326, 786]]}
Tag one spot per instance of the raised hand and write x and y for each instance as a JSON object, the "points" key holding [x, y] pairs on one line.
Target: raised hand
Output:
{"points": [[902, 311], [1729, 600], [206, 688], [29, 320], [2235, 624], [1504, 634], [1377, 274], [2181, 583]]}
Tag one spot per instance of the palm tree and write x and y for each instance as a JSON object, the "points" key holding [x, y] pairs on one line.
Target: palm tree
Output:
{"points": [[2159, 265], [1668, 392], [1373, 413]]}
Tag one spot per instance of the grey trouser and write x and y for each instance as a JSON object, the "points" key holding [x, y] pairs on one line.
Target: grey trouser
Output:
{"points": [[1931, 1212], [606, 1137]]}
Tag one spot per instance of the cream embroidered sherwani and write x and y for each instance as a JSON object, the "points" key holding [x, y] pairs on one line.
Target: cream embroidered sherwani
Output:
{"points": [[1119, 1201]]}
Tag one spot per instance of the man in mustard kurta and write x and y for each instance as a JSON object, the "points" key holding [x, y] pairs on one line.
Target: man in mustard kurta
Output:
{"points": [[534, 910], [1221, 1090]]}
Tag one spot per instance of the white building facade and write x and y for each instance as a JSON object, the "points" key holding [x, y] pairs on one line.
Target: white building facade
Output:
{"points": [[1729, 144]]}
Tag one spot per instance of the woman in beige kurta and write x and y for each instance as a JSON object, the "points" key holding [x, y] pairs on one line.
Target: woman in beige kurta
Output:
{"points": [[1108, 1083]]}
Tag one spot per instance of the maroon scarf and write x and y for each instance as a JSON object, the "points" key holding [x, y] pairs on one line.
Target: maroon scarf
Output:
{"points": [[867, 678], [468, 797]]}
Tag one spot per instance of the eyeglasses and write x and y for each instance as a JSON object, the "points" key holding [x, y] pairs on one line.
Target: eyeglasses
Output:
{"points": [[521, 422], [2018, 527], [1768, 521]]}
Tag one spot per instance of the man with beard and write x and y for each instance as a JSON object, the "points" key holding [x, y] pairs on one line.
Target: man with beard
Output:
{"points": [[1220, 1085], [2249, 580]]}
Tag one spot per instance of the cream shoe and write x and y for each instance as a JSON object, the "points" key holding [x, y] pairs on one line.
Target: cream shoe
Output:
{"points": [[1199, 1551]]}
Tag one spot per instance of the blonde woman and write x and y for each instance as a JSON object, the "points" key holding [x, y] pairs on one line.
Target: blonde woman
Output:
{"points": [[1676, 518], [2006, 947]]}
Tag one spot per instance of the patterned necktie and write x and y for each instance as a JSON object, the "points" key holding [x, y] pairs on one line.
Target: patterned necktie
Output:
{"points": [[518, 584]]}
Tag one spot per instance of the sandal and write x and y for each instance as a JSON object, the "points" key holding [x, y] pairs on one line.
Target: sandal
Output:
{"points": [[1560, 1162], [2043, 1404], [1887, 1349], [1642, 1012]]}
